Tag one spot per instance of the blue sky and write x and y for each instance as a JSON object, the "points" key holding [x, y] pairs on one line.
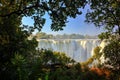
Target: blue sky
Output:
{"points": [[76, 25]]}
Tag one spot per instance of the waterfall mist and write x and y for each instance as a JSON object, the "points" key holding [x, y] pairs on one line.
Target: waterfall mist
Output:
{"points": [[78, 49]]}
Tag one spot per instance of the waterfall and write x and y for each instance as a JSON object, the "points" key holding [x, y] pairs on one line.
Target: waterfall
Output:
{"points": [[78, 49]]}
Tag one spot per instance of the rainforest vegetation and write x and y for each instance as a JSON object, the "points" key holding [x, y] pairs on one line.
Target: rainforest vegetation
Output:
{"points": [[42, 35], [19, 59]]}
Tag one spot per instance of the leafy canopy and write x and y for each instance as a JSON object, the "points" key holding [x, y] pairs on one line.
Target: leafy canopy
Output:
{"points": [[105, 13], [14, 37], [58, 10]]}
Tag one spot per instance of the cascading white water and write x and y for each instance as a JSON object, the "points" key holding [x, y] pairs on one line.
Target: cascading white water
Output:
{"points": [[78, 49]]}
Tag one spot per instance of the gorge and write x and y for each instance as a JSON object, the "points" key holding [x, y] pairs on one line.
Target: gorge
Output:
{"points": [[78, 49]]}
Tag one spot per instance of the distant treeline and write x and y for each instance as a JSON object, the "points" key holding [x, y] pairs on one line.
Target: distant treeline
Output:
{"points": [[42, 35]]}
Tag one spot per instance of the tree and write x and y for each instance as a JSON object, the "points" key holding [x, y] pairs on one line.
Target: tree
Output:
{"points": [[105, 13], [42, 35], [58, 10], [13, 39], [112, 54], [104, 35], [14, 35]]}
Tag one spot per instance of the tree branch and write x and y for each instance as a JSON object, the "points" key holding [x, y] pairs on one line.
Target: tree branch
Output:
{"points": [[19, 11]]}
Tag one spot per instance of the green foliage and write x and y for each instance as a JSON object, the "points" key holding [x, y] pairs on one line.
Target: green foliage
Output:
{"points": [[42, 35], [73, 73], [55, 66], [58, 10], [20, 67], [13, 39], [38, 66], [18, 55], [50, 57], [95, 57], [104, 13], [36, 69], [112, 53], [19, 59], [105, 35]]}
